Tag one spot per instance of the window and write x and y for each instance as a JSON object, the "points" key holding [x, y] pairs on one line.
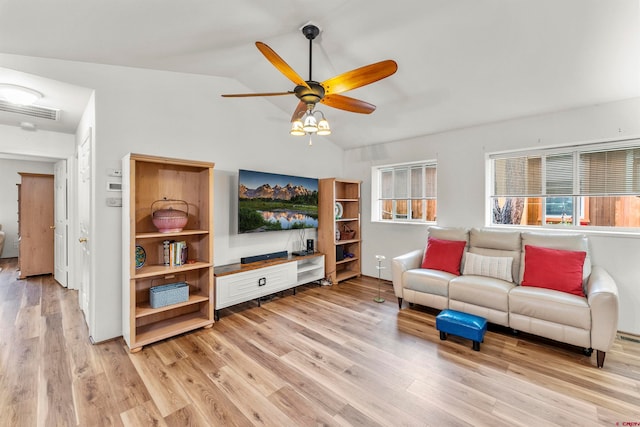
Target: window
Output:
{"points": [[404, 193], [596, 185]]}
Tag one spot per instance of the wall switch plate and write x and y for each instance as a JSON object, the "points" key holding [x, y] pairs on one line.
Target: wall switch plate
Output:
{"points": [[114, 202], [114, 172]]}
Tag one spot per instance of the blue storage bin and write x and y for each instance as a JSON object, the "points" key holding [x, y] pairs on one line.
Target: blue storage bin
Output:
{"points": [[171, 293]]}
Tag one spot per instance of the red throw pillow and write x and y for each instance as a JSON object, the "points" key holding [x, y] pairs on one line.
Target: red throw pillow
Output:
{"points": [[444, 255], [553, 269]]}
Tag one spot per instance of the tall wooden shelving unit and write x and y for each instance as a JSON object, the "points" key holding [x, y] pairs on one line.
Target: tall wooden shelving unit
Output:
{"points": [[145, 180], [346, 193]]}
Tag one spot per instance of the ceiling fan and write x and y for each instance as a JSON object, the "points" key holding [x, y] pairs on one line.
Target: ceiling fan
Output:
{"points": [[310, 92]]}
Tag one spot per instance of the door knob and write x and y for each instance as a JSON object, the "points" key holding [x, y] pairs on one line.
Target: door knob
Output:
{"points": [[82, 240], [53, 227]]}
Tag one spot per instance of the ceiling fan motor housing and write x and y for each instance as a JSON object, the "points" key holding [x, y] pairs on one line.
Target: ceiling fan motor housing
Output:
{"points": [[310, 95]]}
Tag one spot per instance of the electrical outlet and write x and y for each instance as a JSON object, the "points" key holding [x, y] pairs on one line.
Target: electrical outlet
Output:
{"points": [[114, 172]]}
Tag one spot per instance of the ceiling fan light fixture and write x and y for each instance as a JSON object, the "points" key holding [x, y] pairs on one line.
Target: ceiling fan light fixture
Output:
{"points": [[19, 95], [297, 128], [323, 127], [310, 124]]}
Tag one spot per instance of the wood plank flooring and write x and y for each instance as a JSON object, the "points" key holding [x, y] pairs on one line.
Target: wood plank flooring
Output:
{"points": [[325, 356]]}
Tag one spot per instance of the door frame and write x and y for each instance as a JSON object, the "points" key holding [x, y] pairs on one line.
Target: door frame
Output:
{"points": [[61, 222]]}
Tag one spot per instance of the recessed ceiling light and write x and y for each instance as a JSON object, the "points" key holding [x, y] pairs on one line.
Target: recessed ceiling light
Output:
{"points": [[18, 94]]}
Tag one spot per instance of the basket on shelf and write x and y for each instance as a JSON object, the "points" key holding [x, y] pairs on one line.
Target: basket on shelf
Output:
{"points": [[172, 293], [347, 233], [169, 220]]}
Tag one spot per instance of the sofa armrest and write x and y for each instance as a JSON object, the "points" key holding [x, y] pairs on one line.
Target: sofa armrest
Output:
{"points": [[402, 263], [602, 294]]}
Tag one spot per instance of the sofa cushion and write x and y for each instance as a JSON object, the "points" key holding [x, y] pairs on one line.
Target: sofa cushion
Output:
{"points": [[549, 305], [490, 266], [495, 239], [498, 243], [481, 291], [444, 255], [449, 233], [556, 269], [564, 241], [427, 281]]}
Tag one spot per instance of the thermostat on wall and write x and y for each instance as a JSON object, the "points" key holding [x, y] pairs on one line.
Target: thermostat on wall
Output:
{"points": [[114, 186]]}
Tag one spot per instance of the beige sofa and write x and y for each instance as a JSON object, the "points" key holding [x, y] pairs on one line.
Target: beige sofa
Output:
{"points": [[588, 321]]}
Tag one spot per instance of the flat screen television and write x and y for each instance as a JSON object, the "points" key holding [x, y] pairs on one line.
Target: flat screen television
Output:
{"points": [[273, 202]]}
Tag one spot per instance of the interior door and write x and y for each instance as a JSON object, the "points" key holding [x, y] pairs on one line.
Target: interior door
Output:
{"points": [[36, 224], [61, 222], [84, 222]]}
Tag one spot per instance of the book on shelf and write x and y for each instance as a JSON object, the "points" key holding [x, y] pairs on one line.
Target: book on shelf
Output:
{"points": [[175, 253]]}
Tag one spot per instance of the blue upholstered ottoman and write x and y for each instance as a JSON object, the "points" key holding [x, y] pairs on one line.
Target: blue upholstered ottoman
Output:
{"points": [[463, 325]]}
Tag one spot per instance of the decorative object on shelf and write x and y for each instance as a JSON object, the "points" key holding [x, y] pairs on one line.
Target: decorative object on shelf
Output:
{"points": [[347, 233], [141, 256], [339, 210], [379, 267], [169, 220], [172, 293], [337, 234]]}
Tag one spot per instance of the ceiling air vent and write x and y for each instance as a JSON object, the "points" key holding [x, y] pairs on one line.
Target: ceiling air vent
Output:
{"points": [[30, 110]]}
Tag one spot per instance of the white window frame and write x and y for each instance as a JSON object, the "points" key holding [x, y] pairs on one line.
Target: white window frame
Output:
{"points": [[376, 192], [578, 199]]}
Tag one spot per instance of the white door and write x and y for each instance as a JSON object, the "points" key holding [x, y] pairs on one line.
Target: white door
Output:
{"points": [[84, 222], [61, 222]]}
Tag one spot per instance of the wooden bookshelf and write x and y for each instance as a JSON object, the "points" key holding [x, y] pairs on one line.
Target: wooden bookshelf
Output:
{"points": [[339, 201], [145, 180]]}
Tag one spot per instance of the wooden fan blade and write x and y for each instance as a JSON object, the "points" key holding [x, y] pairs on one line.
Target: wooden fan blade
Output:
{"points": [[243, 95], [279, 63], [360, 77], [301, 108], [349, 104]]}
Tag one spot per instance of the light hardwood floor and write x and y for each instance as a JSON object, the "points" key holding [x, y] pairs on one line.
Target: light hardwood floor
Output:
{"points": [[326, 356]]}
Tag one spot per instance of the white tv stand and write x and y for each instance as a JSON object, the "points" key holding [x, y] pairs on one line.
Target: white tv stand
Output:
{"points": [[238, 283]]}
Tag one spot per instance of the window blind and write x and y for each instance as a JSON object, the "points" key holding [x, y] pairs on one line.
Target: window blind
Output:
{"points": [[517, 176], [580, 172], [606, 173]]}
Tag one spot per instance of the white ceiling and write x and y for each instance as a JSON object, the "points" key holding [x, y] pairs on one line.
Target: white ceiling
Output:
{"points": [[461, 62]]}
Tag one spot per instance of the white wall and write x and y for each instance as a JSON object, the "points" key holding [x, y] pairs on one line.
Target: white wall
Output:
{"points": [[17, 142], [179, 115], [39, 143], [461, 185]]}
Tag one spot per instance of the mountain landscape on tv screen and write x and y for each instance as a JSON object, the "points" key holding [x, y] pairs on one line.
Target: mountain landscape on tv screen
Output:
{"points": [[271, 202], [265, 191]]}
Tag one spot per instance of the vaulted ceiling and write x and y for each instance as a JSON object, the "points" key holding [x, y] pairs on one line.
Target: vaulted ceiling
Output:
{"points": [[460, 63]]}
